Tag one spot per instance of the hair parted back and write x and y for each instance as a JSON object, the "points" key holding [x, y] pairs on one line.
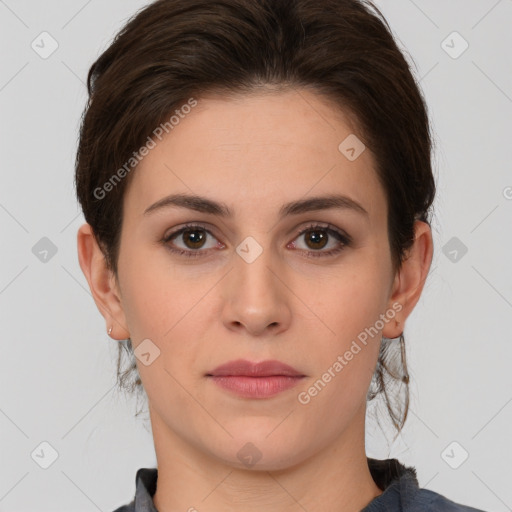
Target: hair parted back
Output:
{"points": [[173, 50]]}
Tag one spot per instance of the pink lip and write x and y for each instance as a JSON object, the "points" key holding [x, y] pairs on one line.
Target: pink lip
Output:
{"points": [[255, 380], [249, 369]]}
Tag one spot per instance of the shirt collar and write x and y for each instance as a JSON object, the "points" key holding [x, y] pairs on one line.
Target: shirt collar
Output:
{"points": [[145, 482], [398, 483]]}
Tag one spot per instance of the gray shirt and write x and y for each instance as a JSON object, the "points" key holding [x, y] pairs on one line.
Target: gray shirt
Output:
{"points": [[399, 484]]}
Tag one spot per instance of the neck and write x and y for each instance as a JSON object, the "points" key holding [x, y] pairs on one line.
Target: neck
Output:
{"points": [[335, 479]]}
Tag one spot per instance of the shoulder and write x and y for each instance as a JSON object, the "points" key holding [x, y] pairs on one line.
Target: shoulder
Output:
{"points": [[431, 501], [401, 492], [145, 487], [126, 508]]}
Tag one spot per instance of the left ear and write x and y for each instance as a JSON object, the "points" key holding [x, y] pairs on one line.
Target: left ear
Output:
{"points": [[410, 279]]}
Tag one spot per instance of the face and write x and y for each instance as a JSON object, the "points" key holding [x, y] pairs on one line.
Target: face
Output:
{"points": [[298, 286]]}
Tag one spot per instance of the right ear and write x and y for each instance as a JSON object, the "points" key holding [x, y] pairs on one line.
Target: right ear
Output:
{"points": [[102, 282]]}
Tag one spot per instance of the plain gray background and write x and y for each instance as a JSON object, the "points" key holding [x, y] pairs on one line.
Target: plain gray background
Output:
{"points": [[58, 364]]}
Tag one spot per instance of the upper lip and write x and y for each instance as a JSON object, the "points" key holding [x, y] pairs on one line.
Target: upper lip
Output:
{"points": [[250, 369]]}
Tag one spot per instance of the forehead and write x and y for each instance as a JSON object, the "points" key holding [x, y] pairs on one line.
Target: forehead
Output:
{"points": [[258, 150]]}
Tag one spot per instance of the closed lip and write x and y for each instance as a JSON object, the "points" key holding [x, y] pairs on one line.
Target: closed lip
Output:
{"points": [[243, 367]]}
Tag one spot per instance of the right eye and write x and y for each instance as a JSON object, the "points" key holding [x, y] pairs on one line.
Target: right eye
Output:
{"points": [[193, 238]]}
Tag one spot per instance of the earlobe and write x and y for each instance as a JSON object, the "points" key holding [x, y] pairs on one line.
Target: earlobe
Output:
{"points": [[410, 279], [102, 282]]}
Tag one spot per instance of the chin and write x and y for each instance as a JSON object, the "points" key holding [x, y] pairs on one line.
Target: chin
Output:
{"points": [[257, 451]]}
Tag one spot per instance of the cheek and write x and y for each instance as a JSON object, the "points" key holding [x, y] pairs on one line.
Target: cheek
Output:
{"points": [[347, 301], [155, 296], [163, 305], [346, 348], [347, 310]]}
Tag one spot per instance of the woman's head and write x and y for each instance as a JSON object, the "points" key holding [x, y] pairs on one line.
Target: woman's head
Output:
{"points": [[257, 106]]}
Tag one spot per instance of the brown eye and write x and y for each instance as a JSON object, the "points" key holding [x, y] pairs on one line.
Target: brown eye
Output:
{"points": [[316, 238], [193, 238]]}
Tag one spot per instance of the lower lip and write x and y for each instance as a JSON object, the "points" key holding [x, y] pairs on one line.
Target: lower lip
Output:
{"points": [[256, 387]]}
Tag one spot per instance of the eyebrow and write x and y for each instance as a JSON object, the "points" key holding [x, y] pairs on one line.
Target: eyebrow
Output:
{"points": [[205, 205]]}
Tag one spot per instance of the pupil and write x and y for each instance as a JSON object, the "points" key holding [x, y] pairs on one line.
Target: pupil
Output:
{"points": [[318, 236], [191, 236]]}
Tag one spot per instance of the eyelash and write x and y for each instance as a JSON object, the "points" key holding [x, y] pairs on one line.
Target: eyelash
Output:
{"points": [[344, 239]]}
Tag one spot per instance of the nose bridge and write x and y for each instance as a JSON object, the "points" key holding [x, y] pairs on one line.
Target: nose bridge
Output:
{"points": [[256, 298], [254, 264]]}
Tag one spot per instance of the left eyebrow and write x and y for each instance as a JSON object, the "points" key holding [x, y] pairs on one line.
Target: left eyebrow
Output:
{"points": [[205, 205], [328, 202]]}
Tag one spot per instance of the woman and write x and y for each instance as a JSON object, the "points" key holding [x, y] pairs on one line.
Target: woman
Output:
{"points": [[256, 180]]}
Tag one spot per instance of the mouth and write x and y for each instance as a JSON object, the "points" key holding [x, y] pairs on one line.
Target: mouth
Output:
{"points": [[255, 380], [244, 368]]}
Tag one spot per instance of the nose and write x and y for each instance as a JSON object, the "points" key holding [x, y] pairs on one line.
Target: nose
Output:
{"points": [[256, 297]]}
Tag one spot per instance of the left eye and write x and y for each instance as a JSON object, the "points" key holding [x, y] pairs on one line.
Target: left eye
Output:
{"points": [[317, 238]]}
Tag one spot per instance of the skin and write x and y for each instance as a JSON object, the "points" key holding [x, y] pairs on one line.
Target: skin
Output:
{"points": [[254, 153]]}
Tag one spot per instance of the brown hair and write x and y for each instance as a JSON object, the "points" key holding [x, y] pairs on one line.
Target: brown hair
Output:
{"points": [[173, 50]]}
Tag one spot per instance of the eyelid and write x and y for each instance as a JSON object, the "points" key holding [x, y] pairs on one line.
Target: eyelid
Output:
{"points": [[327, 227], [343, 238], [188, 225], [298, 231]]}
